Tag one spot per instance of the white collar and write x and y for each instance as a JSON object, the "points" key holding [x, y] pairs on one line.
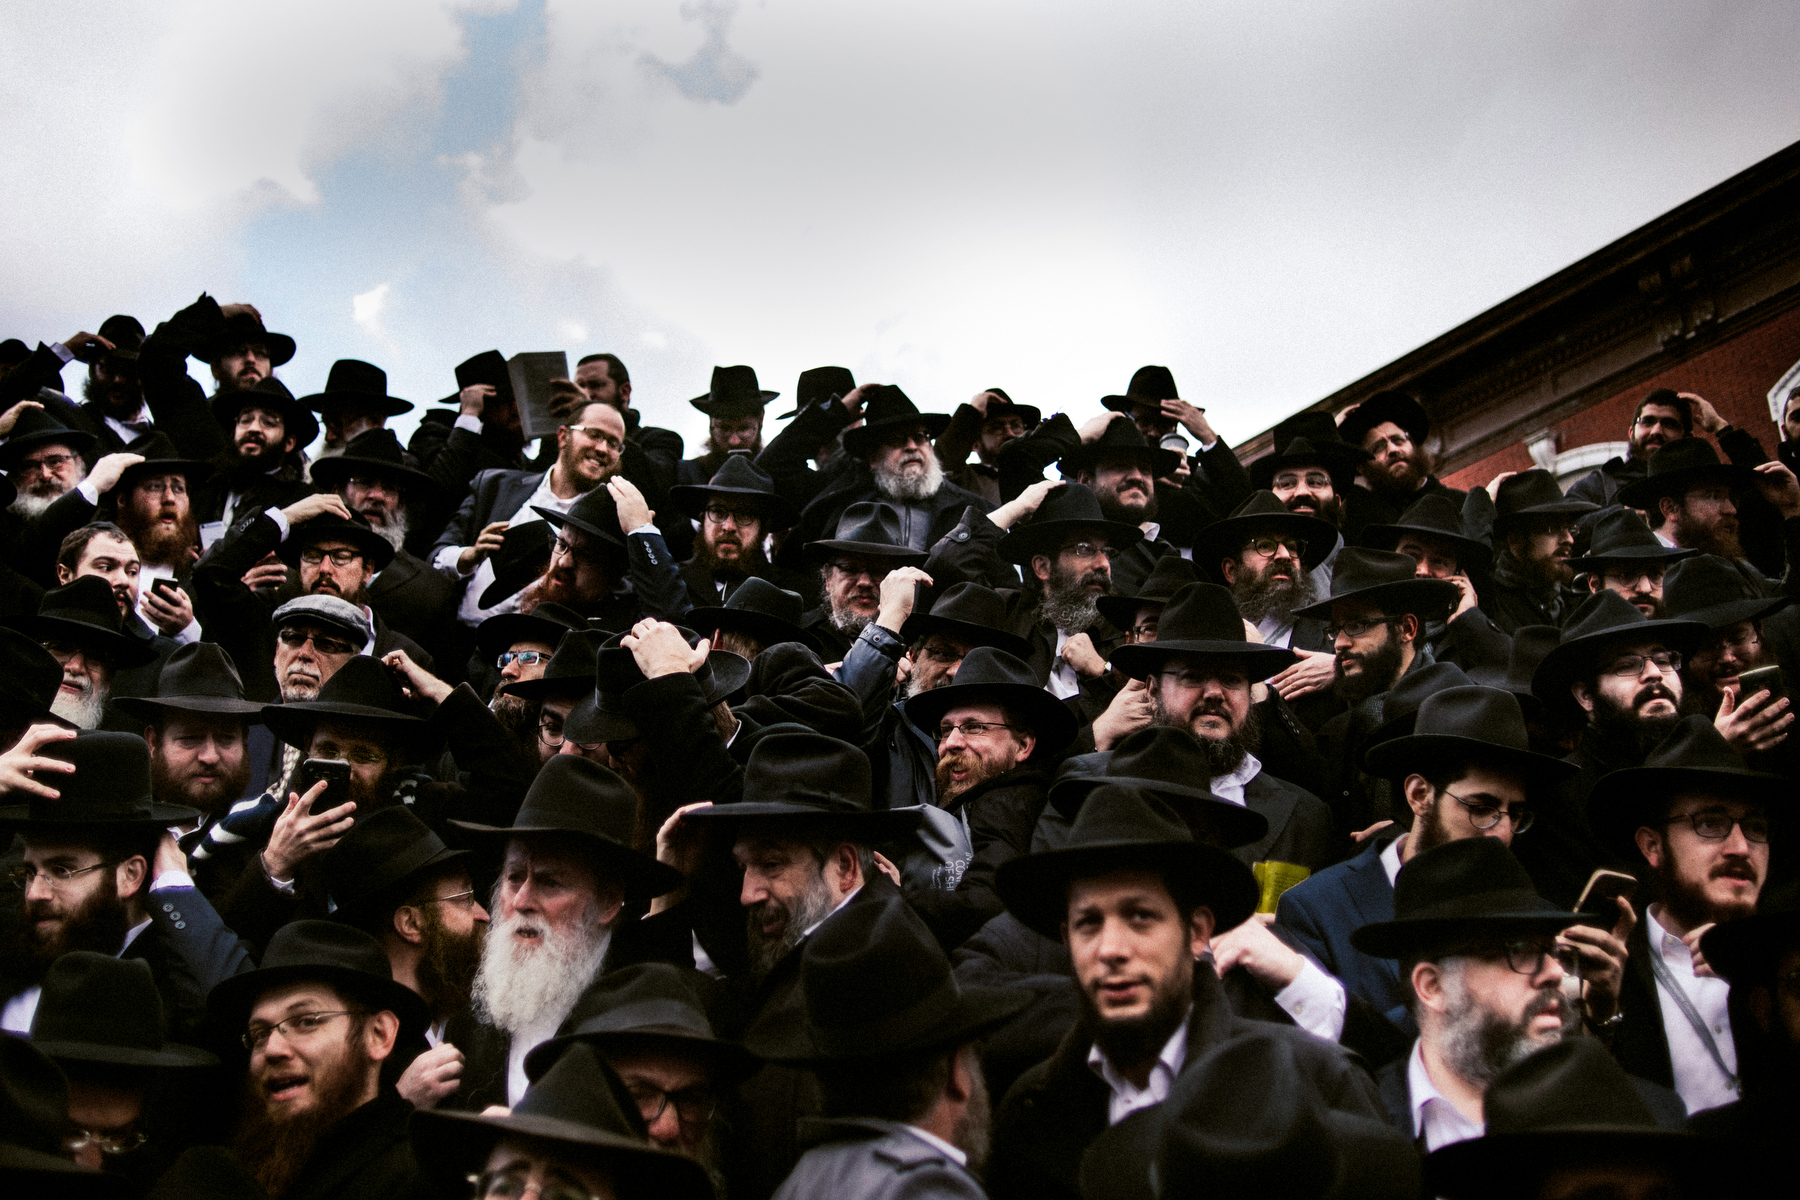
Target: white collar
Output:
{"points": [[1666, 943], [939, 1144], [131, 935], [1390, 859], [1237, 779], [1172, 1059], [1421, 1091]]}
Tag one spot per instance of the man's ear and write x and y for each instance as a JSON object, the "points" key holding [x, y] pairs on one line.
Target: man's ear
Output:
{"points": [[1420, 795], [1409, 627], [1667, 508], [610, 901], [64, 576], [1650, 845], [1200, 930], [1594, 582], [1040, 566], [1228, 567], [380, 1034], [1027, 743], [1427, 981], [288, 444], [409, 925], [1582, 696], [1515, 544], [130, 874]]}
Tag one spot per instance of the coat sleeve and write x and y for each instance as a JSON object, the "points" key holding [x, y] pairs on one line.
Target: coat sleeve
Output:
{"points": [[498, 772], [656, 577], [176, 402], [42, 370], [203, 952], [868, 670], [785, 458], [1000, 826], [470, 514]]}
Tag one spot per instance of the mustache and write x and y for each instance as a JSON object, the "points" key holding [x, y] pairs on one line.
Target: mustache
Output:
{"points": [[1655, 691], [1089, 578]]}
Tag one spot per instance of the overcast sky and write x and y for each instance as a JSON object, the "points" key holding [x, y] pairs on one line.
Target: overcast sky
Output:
{"points": [[1273, 199]]}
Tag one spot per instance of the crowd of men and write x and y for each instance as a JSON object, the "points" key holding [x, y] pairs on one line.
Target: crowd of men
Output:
{"points": [[906, 803]]}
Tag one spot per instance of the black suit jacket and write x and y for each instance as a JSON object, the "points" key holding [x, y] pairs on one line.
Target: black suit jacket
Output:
{"points": [[415, 600], [493, 496], [366, 1156], [1323, 911]]}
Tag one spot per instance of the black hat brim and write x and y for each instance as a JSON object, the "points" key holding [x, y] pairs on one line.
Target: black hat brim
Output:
{"points": [[1558, 508], [1120, 611], [1341, 461], [614, 541], [376, 552], [1734, 612], [644, 877], [901, 556], [150, 708], [1141, 658], [387, 406], [18, 818], [1735, 950], [778, 512], [280, 346], [1566, 661], [194, 471], [125, 651], [170, 1054], [733, 406], [1644, 493], [452, 1144], [1035, 887], [588, 722], [1428, 599], [1402, 936], [1623, 799], [1472, 556], [978, 1012], [332, 471], [1630, 554], [293, 723], [230, 1001], [1021, 542], [923, 624], [731, 1063], [1225, 539], [14, 449], [1158, 460], [1421, 752], [873, 827], [864, 438], [1054, 724], [1235, 824], [494, 635], [297, 420], [1505, 1165]]}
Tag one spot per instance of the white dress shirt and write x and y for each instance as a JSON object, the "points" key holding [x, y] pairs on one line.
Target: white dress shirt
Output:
{"points": [[1434, 1118], [940, 1145], [1275, 631], [470, 610], [1063, 681], [1697, 1076], [1230, 787], [1390, 860], [1316, 998], [1127, 1097]]}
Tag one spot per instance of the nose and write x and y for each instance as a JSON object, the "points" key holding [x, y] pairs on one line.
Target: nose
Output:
{"points": [[479, 913], [1284, 551], [569, 746], [1341, 641], [1651, 669], [754, 891], [209, 751], [510, 672], [666, 1129], [523, 898], [38, 888], [1422, 571], [1111, 947], [1736, 844], [1550, 973]]}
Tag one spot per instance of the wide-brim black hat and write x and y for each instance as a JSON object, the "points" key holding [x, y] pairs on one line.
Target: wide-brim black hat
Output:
{"points": [[580, 1105], [1604, 619], [37, 427], [242, 329], [1120, 439], [547, 623], [1711, 590], [376, 550], [523, 556], [971, 614], [817, 384], [596, 514], [375, 452], [1400, 703], [884, 409], [352, 381], [738, 477], [488, 367], [99, 1009], [1126, 829], [756, 607], [1458, 890], [160, 458], [1620, 536], [1262, 512], [109, 789], [323, 952], [86, 612], [869, 529], [1149, 385], [1533, 493], [1466, 724], [1171, 573], [806, 779], [655, 1006], [1387, 580], [30, 677], [386, 852], [1436, 516], [570, 671], [1202, 619], [1340, 460], [34, 1117], [363, 692], [1167, 762], [1068, 509], [604, 715], [1006, 406], [1681, 465], [580, 803], [297, 420], [197, 678], [1746, 950], [991, 676], [733, 393], [1397, 407]]}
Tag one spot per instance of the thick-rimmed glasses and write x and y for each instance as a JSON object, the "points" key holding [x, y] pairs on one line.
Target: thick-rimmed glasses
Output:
{"points": [[716, 515], [122, 1142], [596, 434], [1357, 629], [971, 729], [694, 1106], [293, 639], [312, 556], [525, 658], [551, 734], [49, 464], [1630, 666], [1525, 956], [1268, 547], [1716, 826], [1484, 815]]}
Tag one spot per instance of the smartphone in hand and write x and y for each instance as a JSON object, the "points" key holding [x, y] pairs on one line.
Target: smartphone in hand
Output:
{"points": [[336, 774]]}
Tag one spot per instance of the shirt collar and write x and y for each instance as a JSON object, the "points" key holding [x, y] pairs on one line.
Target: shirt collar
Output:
{"points": [[1420, 1090], [1390, 860], [939, 1144], [132, 933], [1173, 1057], [1243, 774]]}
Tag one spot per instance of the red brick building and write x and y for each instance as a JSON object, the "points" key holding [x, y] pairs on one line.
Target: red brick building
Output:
{"points": [[1704, 299]]}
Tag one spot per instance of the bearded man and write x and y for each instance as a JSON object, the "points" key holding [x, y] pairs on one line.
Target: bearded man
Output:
{"points": [[733, 404], [867, 545], [1393, 428], [1269, 554], [738, 511], [57, 494], [103, 551], [1691, 500], [321, 1017], [1122, 469], [153, 502], [197, 724], [568, 872], [113, 397], [1534, 539], [1662, 418], [100, 872], [79, 625]]}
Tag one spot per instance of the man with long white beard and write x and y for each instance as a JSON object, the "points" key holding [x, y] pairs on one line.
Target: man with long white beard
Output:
{"points": [[79, 625], [56, 493], [569, 871]]}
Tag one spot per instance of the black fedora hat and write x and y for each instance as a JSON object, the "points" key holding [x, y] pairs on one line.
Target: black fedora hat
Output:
{"points": [[1571, 1106], [885, 409], [820, 383], [570, 672], [272, 394], [596, 514], [1620, 536], [160, 458], [1712, 591], [733, 393], [810, 779], [1400, 703], [1466, 724], [1168, 763], [870, 529], [1533, 493], [353, 383], [34, 1118], [198, 678], [547, 623], [738, 477], [1317, 448], [241, 329], [1119, 440], [375, 452], [1382, 407], [604, 715], [1068, 509], [990, 676], [578, 1105], [109, 789], [523, 556], [1387, 580], [362, 692], [579, 802], [1434, 515], [1170, 574], [1126, 829], [488, 367], [29, 680], [126, 333], [1458, 890], [1678, 466], [1603, 621], [1202, 618], [768, 613], [647, 1006], [1747, 950], [99, 1009], [1006, 406], [86, 612], [38, 427], [387, 851], [1259, 514], [971, 614], [1530, 644], [320, 952], [877, 985], [332, 528], [1149, 385], [1694, 758]]}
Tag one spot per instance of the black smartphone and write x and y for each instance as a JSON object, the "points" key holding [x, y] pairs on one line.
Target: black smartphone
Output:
{"points": [[1603, 889], [1762, 679], [165, 588], [336, 774]]}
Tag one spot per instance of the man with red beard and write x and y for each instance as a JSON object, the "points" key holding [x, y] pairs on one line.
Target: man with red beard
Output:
{"points": [[1700, 820], [1534, 547], [153, 503], [1691, 500], [737, 510], [100, 872], [197, 724], [320, 1017], [1392, 428]]}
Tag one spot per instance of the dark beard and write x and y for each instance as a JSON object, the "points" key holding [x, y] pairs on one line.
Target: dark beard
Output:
{"points": [[1722, 542], [1223, 755], [750, 561], [1405, 485], [118, 400], [446, 973], [519, 717], [156, 542], [1330, 511], [765, 952], [1129, 1043], [277, 1149], [1067, 603], [1113, 510], [213, 801], [973, 1135], [1380, 671], [358, 595], [1479, 1044], [1435, 831], [1620, 735], [1270, 594], [98, 924], [979, 773]]}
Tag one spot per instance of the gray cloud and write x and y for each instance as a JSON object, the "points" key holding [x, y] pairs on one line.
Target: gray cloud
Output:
{"points": [[715, 72]]}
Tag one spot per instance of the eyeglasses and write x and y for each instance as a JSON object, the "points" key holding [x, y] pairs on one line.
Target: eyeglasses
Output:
{"points": [[1483, 815], [1630, 576], [528, 658], [372, 483], [296, 1028], [1315, 481], [1742, 645], [454, 896], [1088, 550], [20, 877], [718, 516], [693, 1106], [562, 547], [62, 652], [312, 556], [293, 639], [173, 486], [1716, 826], [1526, 956], [596, 434], [550, 732], [49, 464], [123, 1142], [511, 1183], [1357, 629], [1268, 547], [1630, 666], [906, 438], [971, 729], [362, 756]]}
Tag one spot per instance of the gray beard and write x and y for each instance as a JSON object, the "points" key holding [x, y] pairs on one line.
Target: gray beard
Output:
{"points": [[816, 903], [1074, 610], [531, 986], [915, 685], [1478, 1044], [907, 489], [83, 710], [393, 534], [849, 622], [1272, 596], [31, 506]]}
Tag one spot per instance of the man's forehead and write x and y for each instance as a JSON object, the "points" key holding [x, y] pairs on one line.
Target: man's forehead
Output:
{"points": [[943, 641], [543, 854], [107, 545], [166, 478], [1118, 887], [48, 448], [1660, 412], [1620, 649], [261, 412], [1382, 432], [308, 995], [752, 844], [182, 723], [1355, 610], [1684, 803], [1093, 537], [1428, 542], [1302, 470], [41, 849], [532, 644], [975, 712], [330, 544], [345, 735]]}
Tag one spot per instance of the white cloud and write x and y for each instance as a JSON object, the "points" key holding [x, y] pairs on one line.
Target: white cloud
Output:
{"points": [[368, 308]]}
